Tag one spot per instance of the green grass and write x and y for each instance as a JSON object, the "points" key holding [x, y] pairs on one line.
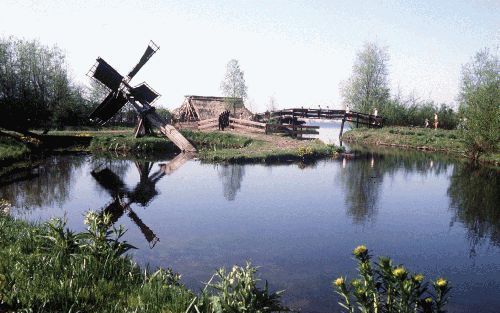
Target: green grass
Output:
{"points": [[12, 150], [217, 140], [211, 146], [128, 143], [216, 147], [48, 268], [259, 151], [415, 138], [147, 145]]}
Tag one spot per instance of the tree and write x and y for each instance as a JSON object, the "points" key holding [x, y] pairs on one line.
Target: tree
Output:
{"points": [[165, 113], [367, 88], [233, 85], [35, 87], [272, 104], [480, 104]]}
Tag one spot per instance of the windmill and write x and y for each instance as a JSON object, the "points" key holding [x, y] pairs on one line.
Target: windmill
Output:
{"points": [[123, 197], [140, 96]]}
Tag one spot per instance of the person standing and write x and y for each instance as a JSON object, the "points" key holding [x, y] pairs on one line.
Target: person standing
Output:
{"points": [[436, 122], [426, 123]]}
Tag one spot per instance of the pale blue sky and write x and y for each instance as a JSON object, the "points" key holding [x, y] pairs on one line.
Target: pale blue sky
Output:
{"points": [[296, 51]]}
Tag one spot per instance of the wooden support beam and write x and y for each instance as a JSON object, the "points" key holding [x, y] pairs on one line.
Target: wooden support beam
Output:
{"points": [[249, 128]]}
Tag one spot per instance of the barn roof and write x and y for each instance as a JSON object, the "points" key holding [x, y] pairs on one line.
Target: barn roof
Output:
{"points": [[202, 107]]}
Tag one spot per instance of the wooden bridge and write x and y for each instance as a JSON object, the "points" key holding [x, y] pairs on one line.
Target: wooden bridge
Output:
{"points": [[290, 118], [290, 121]]}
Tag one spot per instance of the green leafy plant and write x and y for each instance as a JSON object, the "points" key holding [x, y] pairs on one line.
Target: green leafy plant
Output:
{"points": [[237, 291], [305, 152], [386, 287]]}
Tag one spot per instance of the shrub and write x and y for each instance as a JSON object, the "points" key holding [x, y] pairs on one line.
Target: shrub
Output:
{"points": [[480, 104], [305, 152], [48, 268], [389, 288], [237, 291]]}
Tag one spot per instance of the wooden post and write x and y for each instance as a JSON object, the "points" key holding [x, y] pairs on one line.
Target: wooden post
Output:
{"points": [[140, 129], [342, 128]]}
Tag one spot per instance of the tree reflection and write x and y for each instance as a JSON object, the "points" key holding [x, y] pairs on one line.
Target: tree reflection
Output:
{"points": [[231, 176], [363, 172], [474, 198], [49, 186], [361, 181]]}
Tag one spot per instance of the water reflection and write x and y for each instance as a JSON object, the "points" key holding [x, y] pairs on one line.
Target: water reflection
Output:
{"points": [[143, 193], [49, 184], [474, 198], [231, 176], [305, 229], [361, 182], [363, 173]]}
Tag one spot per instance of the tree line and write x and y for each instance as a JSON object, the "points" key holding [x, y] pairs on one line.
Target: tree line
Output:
{"points": [[478, 114], [368, 89], [37, 91]]}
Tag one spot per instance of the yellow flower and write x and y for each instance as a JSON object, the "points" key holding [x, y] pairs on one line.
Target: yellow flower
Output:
{"points": [[339, 281], [399, 272], [441, 282], [419, 278], [359, 250], [428, 300]]}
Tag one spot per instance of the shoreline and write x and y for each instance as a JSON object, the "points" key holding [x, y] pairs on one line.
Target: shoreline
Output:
{"points": [[213, 147], [418, 139]]}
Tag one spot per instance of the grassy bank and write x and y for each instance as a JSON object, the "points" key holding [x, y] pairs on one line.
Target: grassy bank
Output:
{"points": [[219, 147], [12, 150], [212, 146], [260, 151], [447, 141], [48, 268]]}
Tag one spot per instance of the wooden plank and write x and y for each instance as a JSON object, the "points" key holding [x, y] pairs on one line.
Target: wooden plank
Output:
{"points": [[171, 132], [176, 162], [298, 131], [247, 122], [291, 126], [195, 109], [209, 120], [254, 129]]}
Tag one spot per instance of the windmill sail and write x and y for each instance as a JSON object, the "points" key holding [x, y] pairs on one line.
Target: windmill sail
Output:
{"points": [[109, 106], [107, 75], [150, 50], [143, 93]]}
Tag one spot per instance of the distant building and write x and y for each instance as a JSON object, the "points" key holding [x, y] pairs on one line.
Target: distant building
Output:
{"points": [[196, 108]]}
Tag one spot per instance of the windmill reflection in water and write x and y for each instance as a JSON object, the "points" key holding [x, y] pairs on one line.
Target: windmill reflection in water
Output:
{"points": [[143, 193]]}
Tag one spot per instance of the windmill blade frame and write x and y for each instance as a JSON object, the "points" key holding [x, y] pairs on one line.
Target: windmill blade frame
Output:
{"points": [[106, 74], [144, 93], [113, 103], [150, 50]]}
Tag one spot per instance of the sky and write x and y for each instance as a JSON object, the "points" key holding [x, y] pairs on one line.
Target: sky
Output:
{"points": [[298, 52]]}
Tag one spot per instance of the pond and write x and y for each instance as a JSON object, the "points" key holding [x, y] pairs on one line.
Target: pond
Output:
{"points": [[299, 222]]}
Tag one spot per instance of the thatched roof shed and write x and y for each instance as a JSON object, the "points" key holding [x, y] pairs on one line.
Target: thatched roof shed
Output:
{"points": [[196, 108]]}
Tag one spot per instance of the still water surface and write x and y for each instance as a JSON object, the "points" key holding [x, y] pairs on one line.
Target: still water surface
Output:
{"points": [[298, 222]]}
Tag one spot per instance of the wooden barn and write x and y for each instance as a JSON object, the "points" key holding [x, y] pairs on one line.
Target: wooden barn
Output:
{"points": [[197, 108]]}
